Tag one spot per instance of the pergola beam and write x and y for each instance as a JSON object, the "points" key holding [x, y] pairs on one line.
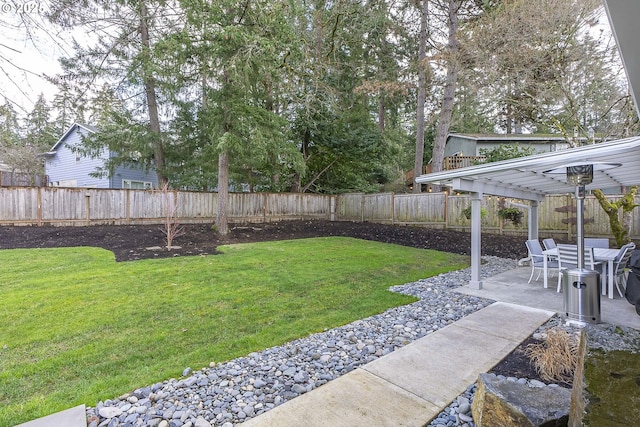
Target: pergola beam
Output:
{"points": [[460, 184]]}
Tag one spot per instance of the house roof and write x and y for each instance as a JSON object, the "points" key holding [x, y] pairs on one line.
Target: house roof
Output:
{"points": [[509, 137], [623, 17], [89, 128], [533, 177]]}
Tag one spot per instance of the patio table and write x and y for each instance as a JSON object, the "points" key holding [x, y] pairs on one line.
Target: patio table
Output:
{"points": [[606, 256]]}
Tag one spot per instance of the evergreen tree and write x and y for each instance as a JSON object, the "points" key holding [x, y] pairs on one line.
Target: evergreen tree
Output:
{"points": [[40, 131], [22, 157], [235, 53], [9, 125], [122, 55]]}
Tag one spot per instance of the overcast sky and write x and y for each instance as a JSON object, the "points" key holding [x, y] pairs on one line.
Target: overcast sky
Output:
{"points": [[29, 48]]}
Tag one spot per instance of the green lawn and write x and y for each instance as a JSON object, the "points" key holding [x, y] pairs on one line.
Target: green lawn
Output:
{"points": [[77, 327]]}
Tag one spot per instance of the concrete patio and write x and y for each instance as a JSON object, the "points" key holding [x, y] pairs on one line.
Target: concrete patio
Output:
{"points": [[512, 287]]}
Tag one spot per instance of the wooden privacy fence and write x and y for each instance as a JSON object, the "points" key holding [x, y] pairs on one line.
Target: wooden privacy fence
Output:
{"points": [[556, 214], [8, 179], [82, 206]]}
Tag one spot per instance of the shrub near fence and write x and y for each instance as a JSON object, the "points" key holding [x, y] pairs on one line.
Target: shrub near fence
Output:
{"points": [[87, 206]]}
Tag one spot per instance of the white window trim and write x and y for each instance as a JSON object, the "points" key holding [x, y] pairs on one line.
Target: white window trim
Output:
{"points": [[146, 185]]}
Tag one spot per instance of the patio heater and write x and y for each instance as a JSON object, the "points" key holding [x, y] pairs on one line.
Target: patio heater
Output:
{"points": [[581, 287]]}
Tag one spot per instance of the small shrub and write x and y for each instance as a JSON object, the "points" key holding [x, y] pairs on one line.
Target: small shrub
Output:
{"points": [[555, 358], [512, 214], [466, 212]]}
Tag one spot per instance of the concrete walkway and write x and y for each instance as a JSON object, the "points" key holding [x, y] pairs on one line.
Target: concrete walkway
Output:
{"points": [[408, 387], [412, 385], [74, 417]]}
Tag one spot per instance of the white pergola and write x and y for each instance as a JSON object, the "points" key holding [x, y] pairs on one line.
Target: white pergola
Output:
{"points": [[616, 165], [527, 178]]}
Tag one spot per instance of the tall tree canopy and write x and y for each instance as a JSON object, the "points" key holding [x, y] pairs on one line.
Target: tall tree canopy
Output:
{"points": [[328, 96], [543, 66]]}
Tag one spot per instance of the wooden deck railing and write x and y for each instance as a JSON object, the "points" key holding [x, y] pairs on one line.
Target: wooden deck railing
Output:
{"points": [[457, 162]]}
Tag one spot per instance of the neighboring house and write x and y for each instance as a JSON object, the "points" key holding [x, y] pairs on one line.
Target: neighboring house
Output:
{"points": [[471, 144], [464, 150], [68, 169]]}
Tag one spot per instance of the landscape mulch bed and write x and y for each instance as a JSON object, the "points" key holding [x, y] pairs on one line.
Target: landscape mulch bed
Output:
{"points": [[130, 242]]}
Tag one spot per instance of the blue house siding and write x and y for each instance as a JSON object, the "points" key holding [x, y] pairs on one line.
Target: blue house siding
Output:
{"points": [[66, 169], [132, 174]]}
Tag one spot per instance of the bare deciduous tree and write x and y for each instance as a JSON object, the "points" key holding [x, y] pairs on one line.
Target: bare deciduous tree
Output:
{"points": [[171, 227]]}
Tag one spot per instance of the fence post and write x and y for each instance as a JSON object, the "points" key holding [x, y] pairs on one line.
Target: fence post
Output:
{"points": [[362, 209], [39, 213], [332, 207], [446, 210], [393, 208], [264, 207], [87, 201], [128, 205]]}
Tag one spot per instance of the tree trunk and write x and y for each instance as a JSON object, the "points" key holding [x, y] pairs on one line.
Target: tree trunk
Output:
{"points": [[446, 110], [381, 113], [223, 192], [620, 229], [296, 186], [150, 90], [422, 95]]}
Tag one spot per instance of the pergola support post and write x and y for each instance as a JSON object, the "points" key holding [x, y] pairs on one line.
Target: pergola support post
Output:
{"points": [[476, 207], [533, 220]]}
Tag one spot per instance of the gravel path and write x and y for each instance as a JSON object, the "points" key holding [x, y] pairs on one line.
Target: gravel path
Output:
{"points": [[229, 393]]}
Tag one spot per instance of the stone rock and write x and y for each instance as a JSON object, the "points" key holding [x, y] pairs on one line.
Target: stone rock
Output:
{"points": [[605, 385], [500, 402], [290, 371], [110, 412], [201, 422], [297, 388], [259, 383]]}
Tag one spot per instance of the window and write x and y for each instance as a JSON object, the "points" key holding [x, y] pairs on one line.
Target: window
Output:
{"points": [[557, 146], [136, 185], [65, 183]]}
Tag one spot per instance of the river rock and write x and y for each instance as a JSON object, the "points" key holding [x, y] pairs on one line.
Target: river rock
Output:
{"points": [[110, 412]]}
